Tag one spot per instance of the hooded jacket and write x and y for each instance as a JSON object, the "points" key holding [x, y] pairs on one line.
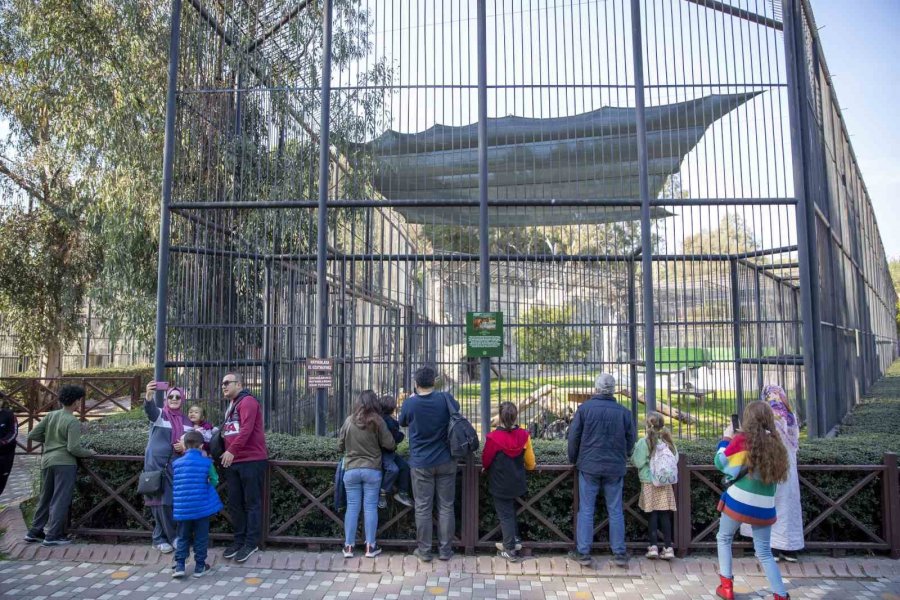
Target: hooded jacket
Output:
{"points": [[507, 454], [243, 429]]}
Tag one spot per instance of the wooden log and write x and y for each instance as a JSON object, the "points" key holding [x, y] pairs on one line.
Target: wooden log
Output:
{"points": [[535, 396], [580, 395]]}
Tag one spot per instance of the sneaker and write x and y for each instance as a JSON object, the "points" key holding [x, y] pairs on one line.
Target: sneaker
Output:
{"points": [[232, 550], [200, 570], [776, 557], [165, 548], [500, 547], [373, 550], [445, 556], [620, 560], [510, 555], [652, 552], [790, 557], [61, 541], [178, 572], [34, 537], [382, 500], [348, 551], [404, 499], [667, 554], [245, 553], [582, 559], [424, 557]]}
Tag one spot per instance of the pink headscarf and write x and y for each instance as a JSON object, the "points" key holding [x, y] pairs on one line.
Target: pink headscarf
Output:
{"points": [[174, 416]]}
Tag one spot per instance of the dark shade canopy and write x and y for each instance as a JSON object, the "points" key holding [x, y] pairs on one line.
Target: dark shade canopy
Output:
{"points": [[591, 156]]}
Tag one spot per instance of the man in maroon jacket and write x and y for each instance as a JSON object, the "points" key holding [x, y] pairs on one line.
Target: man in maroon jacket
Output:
{"points": [[244, 461]]}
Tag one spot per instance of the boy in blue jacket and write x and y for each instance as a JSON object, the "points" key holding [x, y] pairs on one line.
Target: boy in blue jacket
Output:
{"points": [[195, 501]]}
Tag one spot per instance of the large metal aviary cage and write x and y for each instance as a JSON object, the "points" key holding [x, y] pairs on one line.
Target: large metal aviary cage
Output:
{"points": [[661, 190]]}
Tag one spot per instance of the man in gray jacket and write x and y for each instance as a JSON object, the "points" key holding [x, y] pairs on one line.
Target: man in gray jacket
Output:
{"points": [[601, 437]]}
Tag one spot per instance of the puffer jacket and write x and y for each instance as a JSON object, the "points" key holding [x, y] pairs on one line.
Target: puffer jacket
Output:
{"points": [[194, 496], [601, 437]]}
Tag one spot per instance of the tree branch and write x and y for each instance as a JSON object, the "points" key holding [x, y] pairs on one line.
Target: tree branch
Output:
{"points": [[19, 180]]}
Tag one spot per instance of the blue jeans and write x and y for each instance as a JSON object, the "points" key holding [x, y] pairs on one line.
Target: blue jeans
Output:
{"points": [[362, 487], [190, 533], [588, 488], [396, 472], [761, 545]]}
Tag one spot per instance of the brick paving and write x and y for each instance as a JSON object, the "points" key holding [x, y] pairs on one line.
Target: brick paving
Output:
{"points": [[44, 580], [18, 487], [136, 571]]}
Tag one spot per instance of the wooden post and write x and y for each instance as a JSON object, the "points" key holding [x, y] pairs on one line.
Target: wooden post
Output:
{"points": [[266, 507], [135, 391], [470, 505], [575, 504], [683, 530], [890, 507]]}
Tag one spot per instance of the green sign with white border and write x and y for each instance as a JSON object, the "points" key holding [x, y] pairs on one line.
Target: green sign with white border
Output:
{"points": [[484, 334]]}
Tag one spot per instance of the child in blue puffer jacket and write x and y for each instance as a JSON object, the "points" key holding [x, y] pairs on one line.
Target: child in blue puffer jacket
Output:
{"points": [[195, 501]]}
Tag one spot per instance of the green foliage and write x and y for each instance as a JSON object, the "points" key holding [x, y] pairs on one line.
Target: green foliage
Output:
{"points": [[79, 170], [542, 336]]}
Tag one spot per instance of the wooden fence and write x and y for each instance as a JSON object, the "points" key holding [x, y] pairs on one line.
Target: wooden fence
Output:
{"points": [[31, 398], [310, 499]]}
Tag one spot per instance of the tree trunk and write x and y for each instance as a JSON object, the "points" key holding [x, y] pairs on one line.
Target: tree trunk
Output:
{"points": [[51, 360]]}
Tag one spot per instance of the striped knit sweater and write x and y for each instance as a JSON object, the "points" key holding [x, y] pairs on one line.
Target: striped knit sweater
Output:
{"points": [[749, 500]]}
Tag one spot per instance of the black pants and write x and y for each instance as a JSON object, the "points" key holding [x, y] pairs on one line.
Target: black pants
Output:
{"points": [[6, 462], [245, 488], [661, 519], [506, 512], [57, 486]]}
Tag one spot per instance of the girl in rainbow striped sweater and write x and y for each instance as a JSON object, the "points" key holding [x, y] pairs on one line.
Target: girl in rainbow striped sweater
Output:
{"points": [[753, 460]]}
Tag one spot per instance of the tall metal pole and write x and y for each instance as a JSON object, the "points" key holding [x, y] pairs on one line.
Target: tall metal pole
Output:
{"points": [[484, 301], [646, 238], [162, 278], [632, 340], [322, 239], [805, 218], [736, 336]]}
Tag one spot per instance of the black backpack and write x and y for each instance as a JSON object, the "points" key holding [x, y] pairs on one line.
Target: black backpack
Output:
{"points": [[461, 436]]}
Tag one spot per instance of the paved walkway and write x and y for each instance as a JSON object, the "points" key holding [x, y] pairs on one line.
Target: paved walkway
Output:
{"points": [[18, 487], [136, 571], [33, 580]]}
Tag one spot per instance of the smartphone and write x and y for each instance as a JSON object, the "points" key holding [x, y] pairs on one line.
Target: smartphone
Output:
{"points": [[735, 423], [162, 386]]}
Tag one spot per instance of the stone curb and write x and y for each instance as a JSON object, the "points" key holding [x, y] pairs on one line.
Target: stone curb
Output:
{"points": [[14, 547]]}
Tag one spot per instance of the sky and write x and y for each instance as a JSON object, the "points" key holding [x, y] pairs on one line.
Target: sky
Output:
{"points": [[862, 49]]}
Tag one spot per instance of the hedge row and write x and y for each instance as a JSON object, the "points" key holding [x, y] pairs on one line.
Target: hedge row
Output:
{"points": [[128, 436]]}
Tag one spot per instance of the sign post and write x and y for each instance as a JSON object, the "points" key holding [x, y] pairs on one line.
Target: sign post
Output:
{"points": [[484, 334], [319, 373]]}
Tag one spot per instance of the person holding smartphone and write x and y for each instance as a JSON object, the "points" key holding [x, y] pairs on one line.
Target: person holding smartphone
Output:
{"points": [[167, 426]]}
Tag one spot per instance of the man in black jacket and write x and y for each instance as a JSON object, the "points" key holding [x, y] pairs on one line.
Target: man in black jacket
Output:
{"points": [[601, 437]]}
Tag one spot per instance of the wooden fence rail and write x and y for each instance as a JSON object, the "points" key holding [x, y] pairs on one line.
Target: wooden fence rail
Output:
{"points": [[310, 500], [31, 398]]}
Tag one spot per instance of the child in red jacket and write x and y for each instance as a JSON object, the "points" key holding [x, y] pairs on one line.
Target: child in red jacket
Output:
{"points": [[507, 454]]}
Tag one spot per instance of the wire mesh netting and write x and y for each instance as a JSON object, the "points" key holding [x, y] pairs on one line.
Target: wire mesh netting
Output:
{"points": [[564, 152]]}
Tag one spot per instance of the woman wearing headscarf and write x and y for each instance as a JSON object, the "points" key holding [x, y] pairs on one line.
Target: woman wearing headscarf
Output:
{"points": [[787, 532], [167, 425]]}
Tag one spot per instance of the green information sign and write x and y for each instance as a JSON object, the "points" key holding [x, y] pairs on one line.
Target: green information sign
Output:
{"points": [[484, 334]]}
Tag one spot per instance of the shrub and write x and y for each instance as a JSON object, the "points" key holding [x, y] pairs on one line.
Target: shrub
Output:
{"points": [[129, 437]]}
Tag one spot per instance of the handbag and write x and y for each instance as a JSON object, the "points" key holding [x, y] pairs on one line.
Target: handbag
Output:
{"points": [[216, 446], [150, 483], [217, 441]]}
